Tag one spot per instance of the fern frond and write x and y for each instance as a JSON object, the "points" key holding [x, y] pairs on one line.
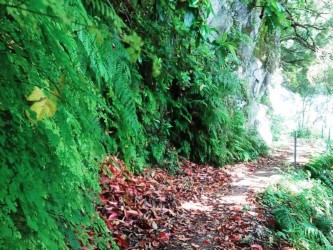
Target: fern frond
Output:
{"points": [[323, 223], [104, 9], [285, 219], [314, 233]]}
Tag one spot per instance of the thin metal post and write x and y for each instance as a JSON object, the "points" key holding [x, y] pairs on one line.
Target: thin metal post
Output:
{"points": [[295, 148], [329, 139]]}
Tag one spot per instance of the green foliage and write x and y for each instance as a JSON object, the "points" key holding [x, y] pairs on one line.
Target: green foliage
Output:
{"points": [[83, 78], [51, 140], [135, 44], [303, 133], [189, 91], [284, 218], [303, 206], [274, 14], [321, 168]]}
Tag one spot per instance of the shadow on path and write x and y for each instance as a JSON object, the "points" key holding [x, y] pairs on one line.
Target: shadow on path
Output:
{"points": [[234, 219]]}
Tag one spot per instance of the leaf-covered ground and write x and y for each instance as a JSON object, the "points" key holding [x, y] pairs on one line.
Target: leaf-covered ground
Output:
{"points": [[199, 208]]}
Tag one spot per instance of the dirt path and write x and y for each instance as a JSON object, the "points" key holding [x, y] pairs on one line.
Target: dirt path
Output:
{"points": [[233, 219], [256, 177], [200, 208]]}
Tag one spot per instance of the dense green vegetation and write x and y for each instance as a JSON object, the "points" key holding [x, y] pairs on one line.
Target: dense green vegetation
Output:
{"points": [[148, 81], [303, 205], [79, 80]]}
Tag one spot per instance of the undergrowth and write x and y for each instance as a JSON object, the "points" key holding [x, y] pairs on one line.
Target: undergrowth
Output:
{"points": [[302, 205]]}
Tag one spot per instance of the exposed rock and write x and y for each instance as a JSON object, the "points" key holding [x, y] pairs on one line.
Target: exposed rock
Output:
{"points": [[259, 57]]}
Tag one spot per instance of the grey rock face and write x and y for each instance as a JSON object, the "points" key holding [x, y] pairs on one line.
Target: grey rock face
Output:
{"points": [[259, 59]]}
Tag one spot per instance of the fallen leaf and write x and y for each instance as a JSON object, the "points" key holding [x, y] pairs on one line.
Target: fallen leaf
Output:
{"points": [[164, 236], [131, 213], [237, 237], [206, 242], [256, 247], [195, 246]]}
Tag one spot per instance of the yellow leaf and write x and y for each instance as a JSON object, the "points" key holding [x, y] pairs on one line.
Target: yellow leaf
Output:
{"points": [[36, 95], [42, 106]]}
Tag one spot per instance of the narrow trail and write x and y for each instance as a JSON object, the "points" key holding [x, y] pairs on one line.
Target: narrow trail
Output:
{"points": [[200, 208], [234, 219], [250, 179], [256, 177]]}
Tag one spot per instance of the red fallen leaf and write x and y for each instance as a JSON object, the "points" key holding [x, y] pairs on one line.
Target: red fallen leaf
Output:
{"points": [[103, 199], [270, 221], [121, 241], [206, 242], [112, 215], [148, 192], [164, 236], [131, 191], [188, 171], [288, 248], [237, 237], [131, 213], [140, 185], [115, 204], [256, 247], [236, 208], [236, 218], [195, 246]]}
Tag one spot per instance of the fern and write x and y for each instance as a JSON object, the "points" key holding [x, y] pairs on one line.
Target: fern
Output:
{"points": [[323, 223], [105, 10], [283, 216], [47, 198], [314, 233], [303, 210]]}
